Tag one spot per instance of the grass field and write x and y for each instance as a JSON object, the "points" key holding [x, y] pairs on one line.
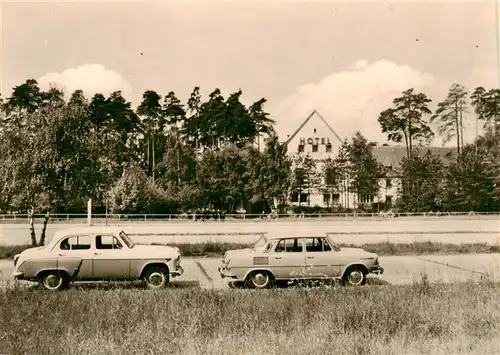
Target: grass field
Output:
{"points": [[217, 249], [422, 318]]}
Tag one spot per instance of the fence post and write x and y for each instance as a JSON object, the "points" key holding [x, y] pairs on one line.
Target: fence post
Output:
{"points": [[145, 218]]}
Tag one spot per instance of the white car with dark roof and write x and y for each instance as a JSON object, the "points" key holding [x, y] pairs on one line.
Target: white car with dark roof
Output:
{"points": [[96, 254]]}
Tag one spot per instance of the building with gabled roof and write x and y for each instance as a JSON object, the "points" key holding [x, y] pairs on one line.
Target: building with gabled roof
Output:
{"points": [[316, 138]]}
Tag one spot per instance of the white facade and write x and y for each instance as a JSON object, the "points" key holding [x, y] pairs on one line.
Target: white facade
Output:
{"points": [[317, 139]]}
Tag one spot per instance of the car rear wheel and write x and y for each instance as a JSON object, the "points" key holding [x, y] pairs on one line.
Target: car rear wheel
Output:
{"points": [[156, 277], [354, 276], [259, 279], [54, 280]]}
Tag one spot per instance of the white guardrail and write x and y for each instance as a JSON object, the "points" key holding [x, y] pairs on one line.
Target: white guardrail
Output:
{"points": [[113, 218]]}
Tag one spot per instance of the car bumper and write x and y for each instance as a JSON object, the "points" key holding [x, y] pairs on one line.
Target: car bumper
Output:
{"points": [[379, 270], [224, 272], [18, 275], [177, 272]]}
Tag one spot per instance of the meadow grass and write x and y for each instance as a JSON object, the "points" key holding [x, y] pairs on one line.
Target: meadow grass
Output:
{"points": [[217, 249], [421, 318]]}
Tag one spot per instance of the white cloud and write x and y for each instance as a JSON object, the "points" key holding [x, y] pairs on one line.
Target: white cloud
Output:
{"points": [[91, 78], [350, 100]]}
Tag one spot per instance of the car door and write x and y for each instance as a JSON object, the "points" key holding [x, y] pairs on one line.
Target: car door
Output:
{"points": [[321, 259], [110, 258], [76, 247], [288, 258]]}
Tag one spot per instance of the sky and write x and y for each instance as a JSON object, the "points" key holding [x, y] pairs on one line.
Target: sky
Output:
{"points": [[348, 60]]}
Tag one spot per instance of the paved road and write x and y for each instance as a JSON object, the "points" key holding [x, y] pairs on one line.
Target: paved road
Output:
{"points": [[451, 230], [202, 272]]}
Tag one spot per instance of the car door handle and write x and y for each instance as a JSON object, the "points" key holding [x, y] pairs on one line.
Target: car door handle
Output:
{"points": [[61, 254], [310, 257], [277, 257], [97, 253]]}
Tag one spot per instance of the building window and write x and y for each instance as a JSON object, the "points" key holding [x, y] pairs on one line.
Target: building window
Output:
{"points": [[301, 148], [315, 130], [388, 200], [366, 199], [315, 148], [328, 148], [295, 197], [388, 183], [303, 197], [326, 199]]}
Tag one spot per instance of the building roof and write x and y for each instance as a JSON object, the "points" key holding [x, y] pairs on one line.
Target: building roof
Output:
{"points": [[307, 120], [392, 155], [386, 155]]}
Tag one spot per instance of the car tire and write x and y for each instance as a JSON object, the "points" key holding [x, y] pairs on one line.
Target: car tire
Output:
{"points": [[54, 280], [354, 276], [259, 279], [156, 277]]}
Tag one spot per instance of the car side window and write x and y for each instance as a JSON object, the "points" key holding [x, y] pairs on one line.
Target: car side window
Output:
{"points": [[317, 244], [326, 245], [107, 242], [289, 246], [76, 242]]}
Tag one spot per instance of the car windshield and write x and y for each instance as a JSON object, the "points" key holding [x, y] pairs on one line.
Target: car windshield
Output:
{"points": [[334, 245], [261, 244], [127, 239]]}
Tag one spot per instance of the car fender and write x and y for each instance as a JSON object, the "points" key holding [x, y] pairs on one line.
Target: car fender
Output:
{"points": [[356, 263], [153, 262], [30, 268]]}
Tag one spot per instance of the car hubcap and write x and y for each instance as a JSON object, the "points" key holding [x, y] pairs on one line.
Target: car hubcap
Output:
{"points": [[355, 277], [260, 279], [156, 278], [53, 281]]}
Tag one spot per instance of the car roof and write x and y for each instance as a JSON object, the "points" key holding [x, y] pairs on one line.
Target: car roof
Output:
{"points": [[293, 236], [86, 229]]}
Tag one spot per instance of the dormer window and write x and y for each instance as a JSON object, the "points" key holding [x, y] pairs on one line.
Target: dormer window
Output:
{"points": [[315, 148], [301, 148], [328, 148]]}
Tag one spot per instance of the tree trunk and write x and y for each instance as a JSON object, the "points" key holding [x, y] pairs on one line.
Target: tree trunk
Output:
{"points": [[153, 150], [308, 192], [44, 229], [32, 226], [461, 131], [149, 161], [407, 146], [457, 126]]}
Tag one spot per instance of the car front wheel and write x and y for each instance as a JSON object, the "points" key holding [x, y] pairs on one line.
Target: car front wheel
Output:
{"points": [[259, 279], [54, 280], [354, 276], [156, 277]]}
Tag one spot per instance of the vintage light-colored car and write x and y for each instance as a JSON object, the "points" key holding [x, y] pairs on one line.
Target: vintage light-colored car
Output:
{"points": [[96, 254], [276, 258]]}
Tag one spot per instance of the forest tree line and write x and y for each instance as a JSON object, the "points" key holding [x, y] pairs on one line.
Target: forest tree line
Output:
{"points": [[170, 156]]}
